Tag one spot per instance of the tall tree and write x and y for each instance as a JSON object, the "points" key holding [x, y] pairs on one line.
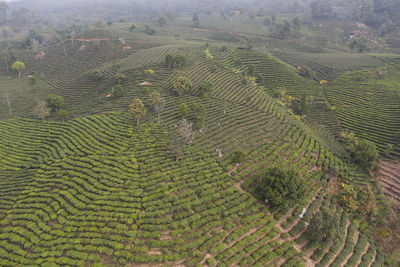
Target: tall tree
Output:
{"points": [[206, 87], [54, 102], [8, 100], [161, 21], [186, 131], [157, 102], [41, 110], [19, 67], [3, 12], [137, 109], [182, 85], [62, 114], [321, 9], [196, 21], [149, 73], [366, 154]]}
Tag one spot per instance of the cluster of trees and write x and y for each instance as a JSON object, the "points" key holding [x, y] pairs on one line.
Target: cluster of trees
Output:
{"points": [[195, 113], [138, 109], [182, 85], [206, 87], [177, 61], [301, 106], [363, 152], [287, 28], [52, 104]]}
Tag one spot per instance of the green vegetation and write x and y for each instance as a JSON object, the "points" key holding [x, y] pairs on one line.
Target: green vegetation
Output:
{"points": [[54, 102], [182, 85], [198, 136], [324, 226], [282, 187], [18, 67], [137, 109]]}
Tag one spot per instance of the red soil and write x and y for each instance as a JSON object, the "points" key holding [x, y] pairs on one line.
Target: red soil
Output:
{"points": [[40, 55], [389, 178], [93, 39]]}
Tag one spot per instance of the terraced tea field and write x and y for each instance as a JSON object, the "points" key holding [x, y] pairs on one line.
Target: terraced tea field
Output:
{"points": [[368, 104], [98, 190]]}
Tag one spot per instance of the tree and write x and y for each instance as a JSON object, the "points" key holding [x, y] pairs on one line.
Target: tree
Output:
{"points": [[246, 43], [182, 85], [149, 73], [348, 198], [97, 74], [161, 21], [199, 113], [8, 100], [366, 154], [209, 56], [137, 109], [307, 72], [366, 201], [267, 21], [184, 110], [41, 110], [282, 31], [177, 61], [9, 57], [349, 139], [324, 226], [157, 102], [180, 61], [321, 9], [238, 157], [62, 114], [54, 102], [132, 26], [32, 79], [119, 78], [206, 87], [3, 12], [149, 30], [281, 186], [358, 44], [186, 131], [170, 60], [321, 42], [196, 21], [19, 67], [117, 91], [177, 146], [296, 22], [302, 107]]}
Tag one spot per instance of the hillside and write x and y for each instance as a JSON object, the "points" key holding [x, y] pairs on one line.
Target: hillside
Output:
{"points": [[101, 190]]}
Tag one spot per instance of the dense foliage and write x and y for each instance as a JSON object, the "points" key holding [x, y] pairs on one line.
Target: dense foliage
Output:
{"points": [[282, 187]]}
